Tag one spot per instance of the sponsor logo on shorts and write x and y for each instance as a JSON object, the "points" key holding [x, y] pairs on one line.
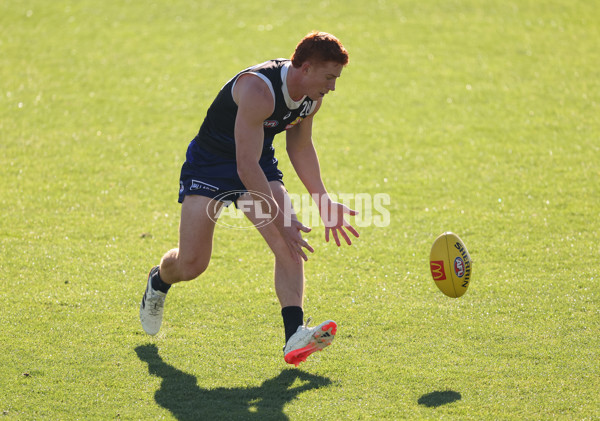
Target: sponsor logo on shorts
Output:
{"points": [[287, 115], [201, 185], [459, 267], [269, 124], [437, 270]]}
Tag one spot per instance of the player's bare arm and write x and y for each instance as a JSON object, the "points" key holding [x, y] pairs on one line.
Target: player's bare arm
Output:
{"points": [[303, 156], [255, 104]]}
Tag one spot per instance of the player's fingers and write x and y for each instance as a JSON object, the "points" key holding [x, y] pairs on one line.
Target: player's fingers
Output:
{"points": [[302, 254], [343, 233], [307, 246], [335, 237], [352, 230], [351, 212], [304, 228]]}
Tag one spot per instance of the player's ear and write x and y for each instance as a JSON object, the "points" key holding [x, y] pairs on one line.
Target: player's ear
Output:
{"points": [[305, 68]]}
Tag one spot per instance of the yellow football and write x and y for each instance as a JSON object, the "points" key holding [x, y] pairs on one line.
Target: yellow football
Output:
{"points": [[450, 265]]}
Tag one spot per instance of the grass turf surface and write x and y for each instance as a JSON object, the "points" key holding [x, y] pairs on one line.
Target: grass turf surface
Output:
{"points": [[476, 117]]}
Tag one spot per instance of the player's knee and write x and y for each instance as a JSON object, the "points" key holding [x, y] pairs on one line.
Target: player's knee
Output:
{"points": [[281, 251], [288, 262], [191, 270]]}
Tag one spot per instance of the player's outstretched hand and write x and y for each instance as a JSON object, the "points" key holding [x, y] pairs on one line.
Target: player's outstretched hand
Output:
{"points": [[335, 224]]}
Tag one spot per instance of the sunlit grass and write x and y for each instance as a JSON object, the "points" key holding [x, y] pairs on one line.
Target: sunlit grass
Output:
{"points": [[474, 117]]}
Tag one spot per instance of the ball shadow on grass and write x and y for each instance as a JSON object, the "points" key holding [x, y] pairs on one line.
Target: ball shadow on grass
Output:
{"points": [[438, 398]]}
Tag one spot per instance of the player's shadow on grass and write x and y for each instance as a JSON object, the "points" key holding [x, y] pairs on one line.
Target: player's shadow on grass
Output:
{"points": [[435, 399], [180, 394]]}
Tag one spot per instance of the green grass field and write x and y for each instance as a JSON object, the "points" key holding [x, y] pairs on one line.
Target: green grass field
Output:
{"points": [[477, 117]]}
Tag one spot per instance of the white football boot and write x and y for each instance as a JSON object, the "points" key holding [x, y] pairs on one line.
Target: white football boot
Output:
{"points": [[308, 340], [151, 309]]}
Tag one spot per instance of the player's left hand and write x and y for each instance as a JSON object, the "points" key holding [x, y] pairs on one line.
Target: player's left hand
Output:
{"points": [[335, 224]]}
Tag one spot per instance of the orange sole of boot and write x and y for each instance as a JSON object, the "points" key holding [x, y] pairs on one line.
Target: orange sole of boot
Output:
{"points": [[322, 340]]}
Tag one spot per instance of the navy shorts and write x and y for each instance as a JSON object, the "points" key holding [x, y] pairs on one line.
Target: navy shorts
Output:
{"points": [[213, 176]]}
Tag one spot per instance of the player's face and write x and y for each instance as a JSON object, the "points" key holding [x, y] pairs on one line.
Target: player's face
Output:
{"points": [[321, 78]]}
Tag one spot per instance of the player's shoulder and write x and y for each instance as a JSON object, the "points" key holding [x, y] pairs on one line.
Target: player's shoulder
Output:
{"points": [[259, 81], [253, 95], [249, 84]]}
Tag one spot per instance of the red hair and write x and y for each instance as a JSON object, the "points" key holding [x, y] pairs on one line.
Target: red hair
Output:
{"points": [[320, 47]]}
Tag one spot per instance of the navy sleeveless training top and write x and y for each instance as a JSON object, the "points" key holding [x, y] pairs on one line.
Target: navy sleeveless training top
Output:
{"points": [[216, 134]]}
